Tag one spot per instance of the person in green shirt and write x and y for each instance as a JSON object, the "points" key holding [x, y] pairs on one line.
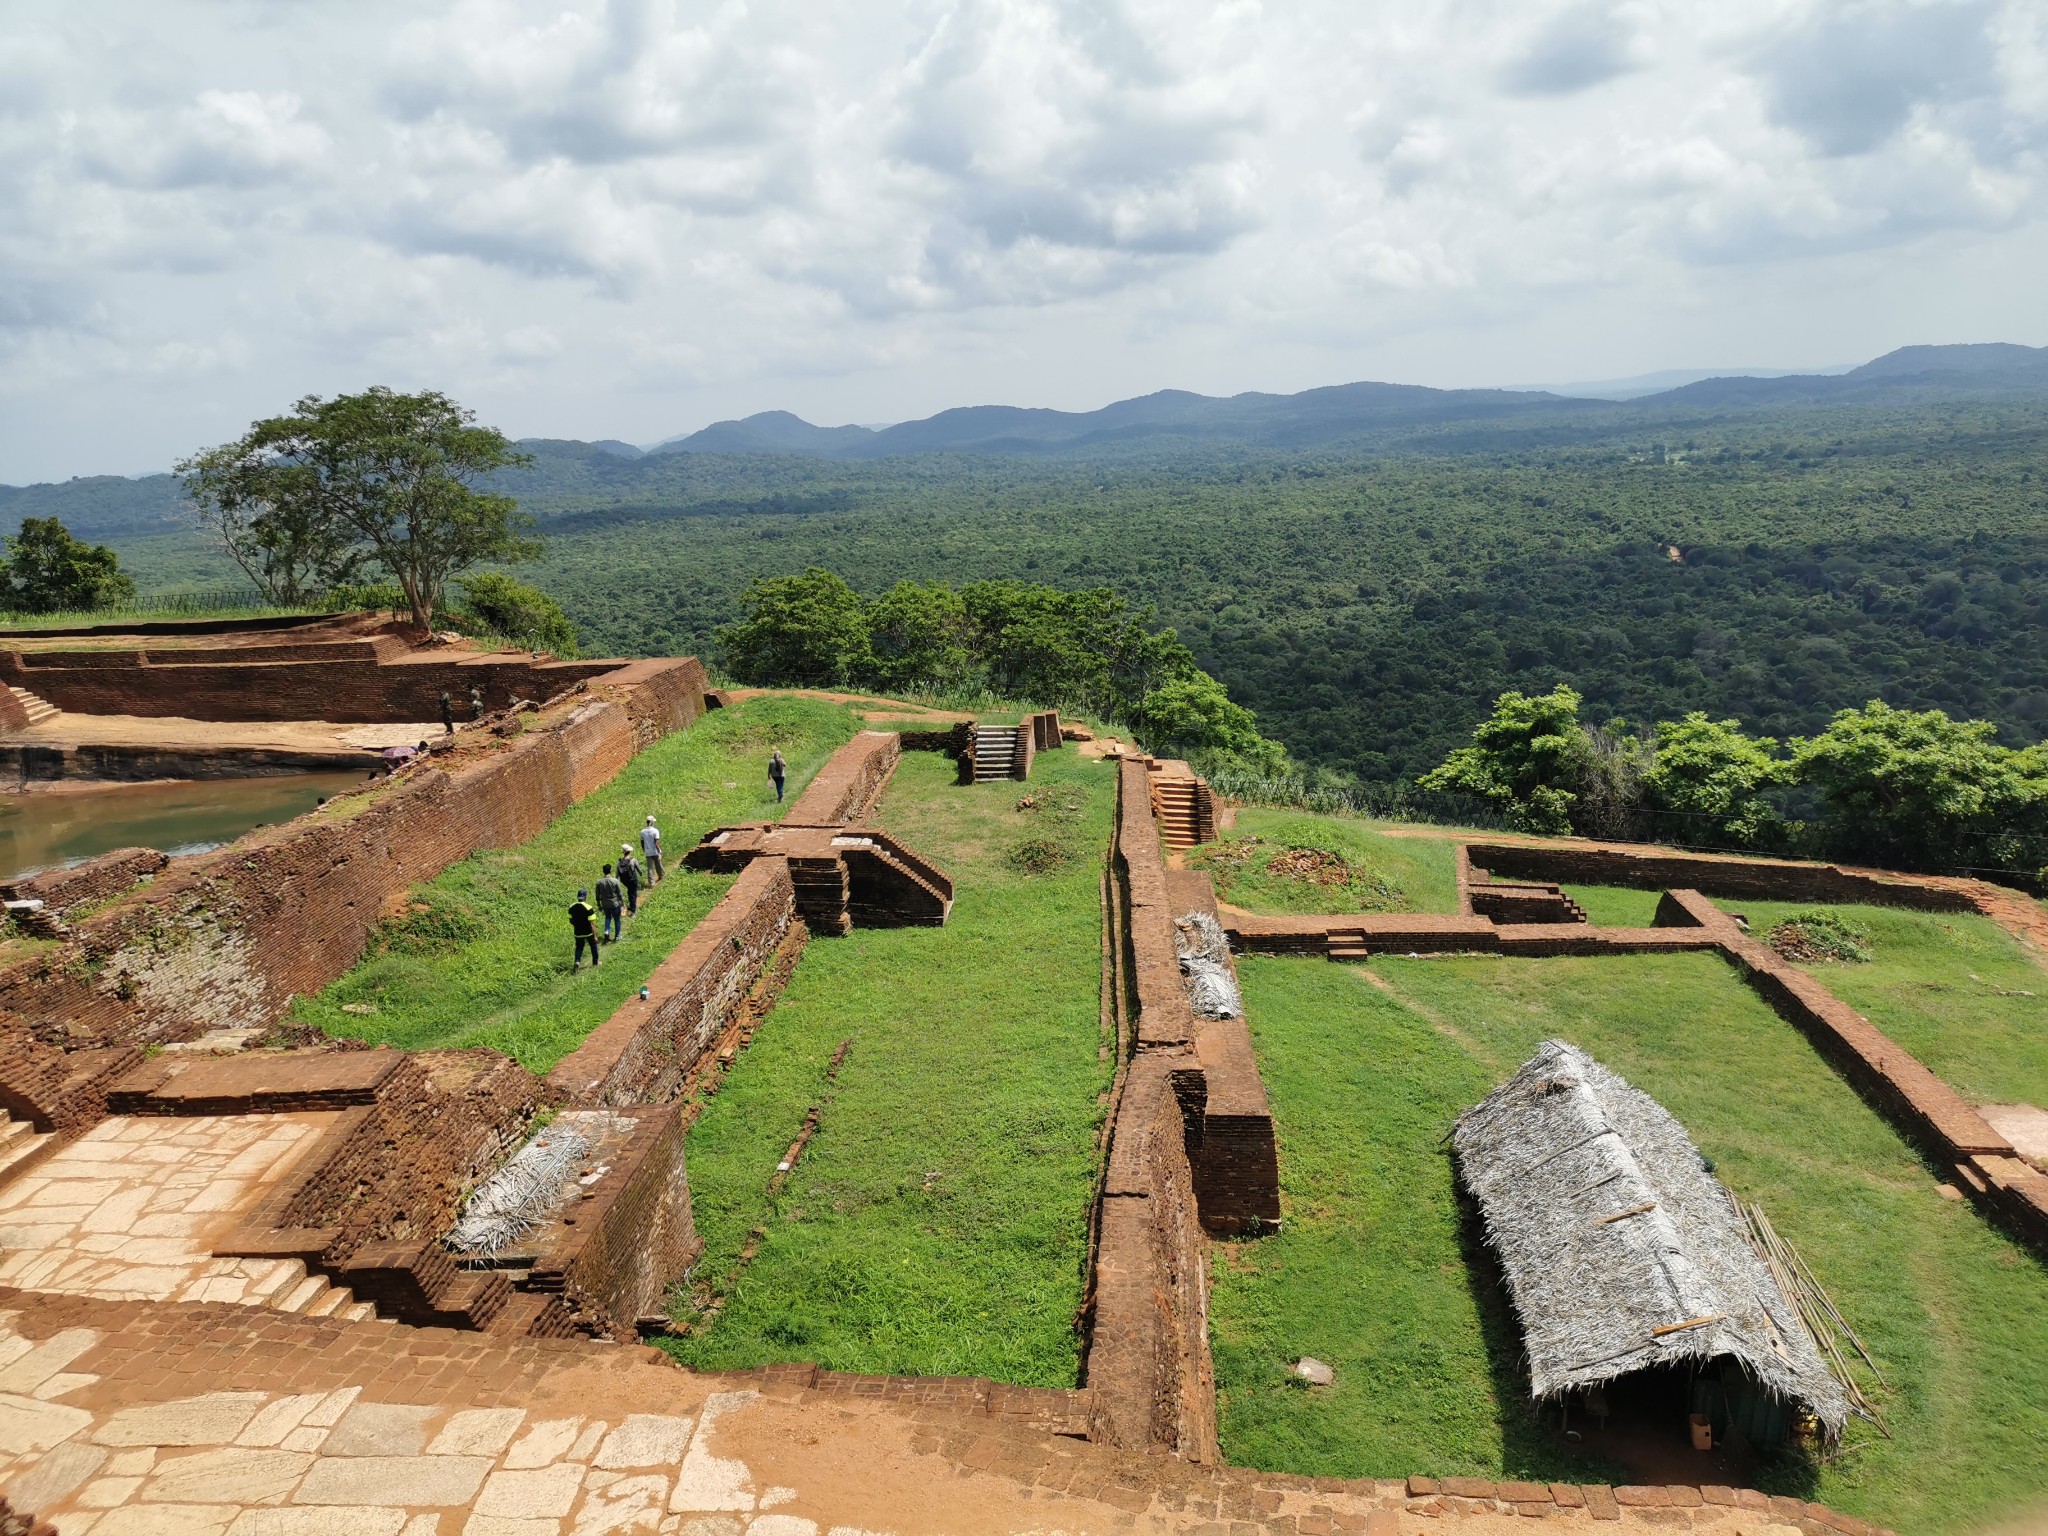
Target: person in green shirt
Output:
{"points": [[611, 901]]}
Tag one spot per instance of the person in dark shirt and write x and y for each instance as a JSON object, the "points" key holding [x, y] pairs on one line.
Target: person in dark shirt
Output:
{"points": [[611, 901], [778, 770], [582, 924], [447, 713], [631, 876]]}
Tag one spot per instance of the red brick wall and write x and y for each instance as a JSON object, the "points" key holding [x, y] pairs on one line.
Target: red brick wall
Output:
{"points": [[642, 1054], [94, 880], [227, 938], [1652, 869], [360, 690], [633, 1241], [847, 787]]}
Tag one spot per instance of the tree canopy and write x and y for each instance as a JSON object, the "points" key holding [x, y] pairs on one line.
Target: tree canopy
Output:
{"points": [[305, 502], [49, 571]]}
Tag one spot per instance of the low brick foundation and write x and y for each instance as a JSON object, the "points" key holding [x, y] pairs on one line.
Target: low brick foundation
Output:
{"points": [[1656, 869]]}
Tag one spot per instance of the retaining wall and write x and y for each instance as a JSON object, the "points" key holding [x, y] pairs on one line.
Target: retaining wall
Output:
{"points": [[226, 939], [224, 686], [94, 880], [644, 1051], [631, 1236], [33, 762]]}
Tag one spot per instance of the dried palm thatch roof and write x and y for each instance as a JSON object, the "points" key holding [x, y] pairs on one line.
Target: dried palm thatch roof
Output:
{"points": [[1621, 1251]]}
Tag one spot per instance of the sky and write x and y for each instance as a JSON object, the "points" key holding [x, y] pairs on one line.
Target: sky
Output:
{"points": [[628, 220]]}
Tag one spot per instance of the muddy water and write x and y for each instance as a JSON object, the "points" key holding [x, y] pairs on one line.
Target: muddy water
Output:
{"points": [[62, 826]]}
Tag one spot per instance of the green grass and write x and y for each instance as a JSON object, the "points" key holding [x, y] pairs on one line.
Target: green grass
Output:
{"points": [[1956, 1314], [1614, 906], [485, 958], [1390, 874], [937, 1223], [1953, 988]]}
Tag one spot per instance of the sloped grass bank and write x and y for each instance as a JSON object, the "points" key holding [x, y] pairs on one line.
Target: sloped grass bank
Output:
{"points": [[1953, 988], [937, 1221], [1251, 868], [483, 957], [1956, 1314]]}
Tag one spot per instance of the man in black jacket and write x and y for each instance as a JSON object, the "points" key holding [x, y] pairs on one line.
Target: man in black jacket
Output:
{"points": [[582, 923], [631, 876]]}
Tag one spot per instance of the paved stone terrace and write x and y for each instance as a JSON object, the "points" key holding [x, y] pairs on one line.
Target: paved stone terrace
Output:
{"points": [[215, 1421], [133, 1210]]}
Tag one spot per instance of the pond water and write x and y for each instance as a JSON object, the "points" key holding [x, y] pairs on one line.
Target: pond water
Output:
{"points": [[53, 827]]}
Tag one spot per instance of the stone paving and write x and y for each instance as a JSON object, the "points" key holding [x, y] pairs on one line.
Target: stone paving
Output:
{"points": [[132, 1210], [207, 1420]]}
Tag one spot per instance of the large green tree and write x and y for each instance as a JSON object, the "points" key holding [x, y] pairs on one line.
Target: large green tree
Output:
{"points": [[1709, 783], [517, 612], [918, 633], [301, 501], [1531, 758], [49, 571], [806, 631]]}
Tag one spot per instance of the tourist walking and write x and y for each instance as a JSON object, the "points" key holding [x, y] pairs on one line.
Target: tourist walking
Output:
{"points": [[650, 849], [778, 770], [582, 924], [630, 876], [447, 713], [611, 901]]}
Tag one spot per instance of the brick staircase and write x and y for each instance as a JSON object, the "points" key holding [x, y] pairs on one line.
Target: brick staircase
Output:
{"points": [[997, 752], [1524, 901], [279, 1285], [37, 709], [1182, 805]]}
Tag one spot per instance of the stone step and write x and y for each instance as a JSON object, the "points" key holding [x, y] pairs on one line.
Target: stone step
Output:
{"points": [[38, 708], [301, 1297], [22, 1145], [13, 1130], [358, 1312], [334, 1300]]}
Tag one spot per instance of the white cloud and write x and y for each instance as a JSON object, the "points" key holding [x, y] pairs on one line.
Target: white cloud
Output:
{"points": [[626, 217]]}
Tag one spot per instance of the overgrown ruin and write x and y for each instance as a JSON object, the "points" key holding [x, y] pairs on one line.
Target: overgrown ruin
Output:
{"points": [[260, 1283]]}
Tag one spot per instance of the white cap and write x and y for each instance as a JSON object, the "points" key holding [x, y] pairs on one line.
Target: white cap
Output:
{"points": [[650, 821]]}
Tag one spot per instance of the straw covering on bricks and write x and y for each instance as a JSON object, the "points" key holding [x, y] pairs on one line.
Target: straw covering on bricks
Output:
{"points": [[1204, 952], [515, 1199], [1621, 1250]]}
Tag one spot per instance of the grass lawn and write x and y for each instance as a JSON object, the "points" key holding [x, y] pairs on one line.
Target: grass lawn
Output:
{"points": [[1953, 988], [937, 1222], [1956, 1314], [1387, 874], [1615, 906], [484, 957]]}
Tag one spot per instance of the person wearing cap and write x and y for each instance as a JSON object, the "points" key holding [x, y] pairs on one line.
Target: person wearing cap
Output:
{"points": [[650, 848], [582, 925], [630, 876], [778, 770], [611, 901], [447, 713]]}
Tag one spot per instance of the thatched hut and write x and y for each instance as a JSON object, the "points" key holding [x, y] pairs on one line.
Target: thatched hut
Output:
{"points": [[1624, 1254]]}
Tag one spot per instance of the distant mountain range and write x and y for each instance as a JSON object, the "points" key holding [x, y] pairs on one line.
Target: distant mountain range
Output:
{"points": [[1370, 416], [1343, 410]]}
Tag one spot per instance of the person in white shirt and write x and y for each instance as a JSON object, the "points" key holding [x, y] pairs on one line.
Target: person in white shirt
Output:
{"points": [[650, 848]]}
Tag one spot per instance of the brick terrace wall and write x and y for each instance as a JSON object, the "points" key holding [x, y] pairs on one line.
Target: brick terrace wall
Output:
{"points": [[1654, 869], [847, 787], [225, 939], [643, 1053], [36, 761], [224, 687], [631, 1241], [94, 880], [1932, 1113]]}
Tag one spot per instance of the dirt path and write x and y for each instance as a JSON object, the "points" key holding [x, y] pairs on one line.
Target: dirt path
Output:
{"points": [[872, 706]]}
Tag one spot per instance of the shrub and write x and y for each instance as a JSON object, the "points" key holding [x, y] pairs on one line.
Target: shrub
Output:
{"points": [[1818, 935]]}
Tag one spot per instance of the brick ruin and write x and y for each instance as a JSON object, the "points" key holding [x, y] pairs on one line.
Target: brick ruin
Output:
{"points": [[348, 1219]]}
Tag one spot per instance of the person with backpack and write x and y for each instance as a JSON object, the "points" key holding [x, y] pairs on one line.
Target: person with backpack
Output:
{"points": [[631, 876], [583, 926], [611, 901], [778, 770], [650, 849]]}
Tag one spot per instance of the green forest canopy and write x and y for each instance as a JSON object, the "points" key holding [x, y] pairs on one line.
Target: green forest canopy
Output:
{"points": [[1370, 600]]}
